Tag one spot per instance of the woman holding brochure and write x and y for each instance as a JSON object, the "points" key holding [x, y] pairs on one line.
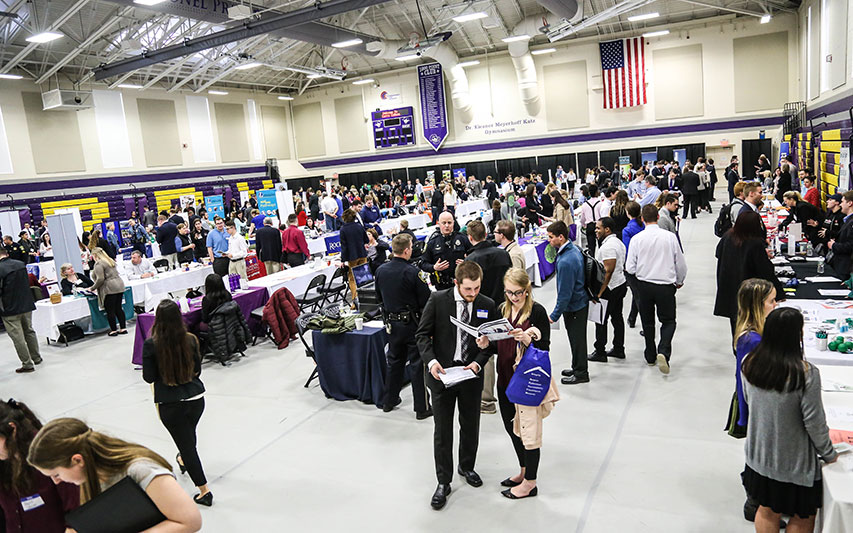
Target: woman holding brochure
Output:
{"points": [[522, 423]]}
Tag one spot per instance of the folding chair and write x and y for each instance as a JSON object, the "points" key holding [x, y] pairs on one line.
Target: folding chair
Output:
{"points": [[313, 298], [335, 291], [258, 314], [302, 327]]}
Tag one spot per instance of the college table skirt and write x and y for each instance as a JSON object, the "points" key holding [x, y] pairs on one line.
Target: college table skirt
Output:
{"points": [[352, 366], [546, 268]]}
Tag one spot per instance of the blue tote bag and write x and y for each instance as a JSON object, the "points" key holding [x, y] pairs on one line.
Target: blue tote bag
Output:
{"points": [[532, 378]]}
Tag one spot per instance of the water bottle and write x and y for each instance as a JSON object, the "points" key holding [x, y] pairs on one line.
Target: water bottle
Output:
{"points": [[820, 265], [809, 249]]}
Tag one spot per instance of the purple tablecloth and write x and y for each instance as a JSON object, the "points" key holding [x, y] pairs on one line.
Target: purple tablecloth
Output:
{"points": [[248, 302], [545, 268]]}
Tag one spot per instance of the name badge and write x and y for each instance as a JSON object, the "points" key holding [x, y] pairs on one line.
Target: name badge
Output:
{"points": [[32, 502], [482, 313]]}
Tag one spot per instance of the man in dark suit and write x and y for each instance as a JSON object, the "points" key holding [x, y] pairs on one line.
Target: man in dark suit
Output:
{"points": [[842, 248], [690, 188], [441, 346], [166, 233], [732, 177], [671, 183], [268, 246]]}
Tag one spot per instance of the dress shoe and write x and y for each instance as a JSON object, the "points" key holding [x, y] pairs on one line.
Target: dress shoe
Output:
{"points": [[597, 357], [618, 355], [473, 478], [25, 370], [663, 364], [387, 408], [439, 497], [568, 372], [181, 464], [488, 408], [574, 380], [206, 500], [508, 493], [423, 415], [632, 325], [508, 482]]}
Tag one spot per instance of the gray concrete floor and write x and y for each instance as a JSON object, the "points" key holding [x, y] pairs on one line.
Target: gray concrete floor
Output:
{"points": [[632, 450]]}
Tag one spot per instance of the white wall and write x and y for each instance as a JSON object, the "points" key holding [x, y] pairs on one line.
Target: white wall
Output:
{"points": [[831, 35]]}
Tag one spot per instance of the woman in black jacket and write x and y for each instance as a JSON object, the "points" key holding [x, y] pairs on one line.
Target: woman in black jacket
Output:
{"points": [[531, 203], [353, 250], [496, 215], [802, 211], [71, 279], [377, 250], [783, 184], [171, 360], [741, 254], [198, 235], [215, 294]]}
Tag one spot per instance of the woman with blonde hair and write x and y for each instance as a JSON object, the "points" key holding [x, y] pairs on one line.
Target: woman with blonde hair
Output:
{"points": [[68, 450], [71, 280], [522, 423], [110, 288], [450, 198]]}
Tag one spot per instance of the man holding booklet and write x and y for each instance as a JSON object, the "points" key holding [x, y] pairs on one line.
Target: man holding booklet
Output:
{"points": [[455, 359]]}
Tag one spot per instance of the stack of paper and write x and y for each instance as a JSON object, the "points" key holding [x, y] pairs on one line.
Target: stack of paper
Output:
{"points": [[456, 374]]}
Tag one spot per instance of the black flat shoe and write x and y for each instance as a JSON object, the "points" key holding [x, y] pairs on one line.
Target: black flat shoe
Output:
{"points": [[424, 415], [439, 497], [207, 499], [180, 464], [387, 408], [508, 482], [617, 355], [597, 357], [508, 493], [568, 372], [112, 334], [473, 478]]}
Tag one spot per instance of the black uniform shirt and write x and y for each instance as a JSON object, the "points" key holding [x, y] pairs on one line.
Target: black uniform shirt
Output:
{"points": [[450, 248], [400, 287]]}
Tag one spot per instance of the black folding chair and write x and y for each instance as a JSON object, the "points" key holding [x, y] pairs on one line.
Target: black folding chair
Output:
{"points": [[334, 292], [302, 327], [161, 265], [258, 314], [313, 298]]}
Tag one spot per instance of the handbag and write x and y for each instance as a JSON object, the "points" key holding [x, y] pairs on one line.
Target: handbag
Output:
{"points": [[732, 427], [532, 378]]}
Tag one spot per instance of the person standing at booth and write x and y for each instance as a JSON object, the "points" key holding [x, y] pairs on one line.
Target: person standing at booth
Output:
{"points": [[217, 246], [268, 246], [237, 251], [17, 311], [166, 233], [443, 252]]}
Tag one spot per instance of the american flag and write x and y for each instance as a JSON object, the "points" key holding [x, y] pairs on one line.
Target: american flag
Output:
{"points": [[623, 69]]}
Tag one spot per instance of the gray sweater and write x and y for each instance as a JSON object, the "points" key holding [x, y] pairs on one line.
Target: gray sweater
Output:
{"points": [[787, 432]]}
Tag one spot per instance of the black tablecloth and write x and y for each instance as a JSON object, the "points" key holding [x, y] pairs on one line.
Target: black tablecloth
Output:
{"points": [[352, 366], [808, 290]]}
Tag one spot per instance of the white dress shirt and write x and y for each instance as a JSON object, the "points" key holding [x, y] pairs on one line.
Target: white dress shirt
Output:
{"points": [[329, 205], [461, 304], [136, 271], [237, 247], [656, 257], [613, 248]]}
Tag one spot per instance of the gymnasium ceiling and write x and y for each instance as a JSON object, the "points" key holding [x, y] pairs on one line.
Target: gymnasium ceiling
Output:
{"points": [[99, 32]]}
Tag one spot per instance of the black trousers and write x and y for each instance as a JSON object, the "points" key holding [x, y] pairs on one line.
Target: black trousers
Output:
{"points": [[403, 349], [181, 420], [575, 322], [112, 305], [660, 298], [527, 459], [140, 247], [294, 259], [635, 298], [591, 241], [444, 401], [220, 266], [691, 202], [614, 298]]}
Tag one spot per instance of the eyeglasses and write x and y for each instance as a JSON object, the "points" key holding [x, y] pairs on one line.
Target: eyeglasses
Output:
{"points": [[515, 294]]}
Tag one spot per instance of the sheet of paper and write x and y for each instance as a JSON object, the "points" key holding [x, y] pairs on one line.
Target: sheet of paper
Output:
{"points": [[467, 328], [597, 311], [829, 385], [839, 415], [374, 324], [813, 259], [456, 374], [823, 279], [779, 260], [833, 292]]}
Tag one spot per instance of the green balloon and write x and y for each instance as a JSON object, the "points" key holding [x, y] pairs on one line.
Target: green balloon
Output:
{"points": [[839, 339], [833, 346]]}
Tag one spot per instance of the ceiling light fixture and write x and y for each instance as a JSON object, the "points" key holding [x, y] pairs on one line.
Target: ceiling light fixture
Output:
{"points": [[407, 57], [543, 51], [128, 86], [647, 16], [656, 33], [363, 82], [314, 76], [217, 93], [148, 2], [765, 19], [468, 17], [469, 63], [246, 66], [514, 38], [285, 98], [11, 77], [44, 37], [344, 44]]}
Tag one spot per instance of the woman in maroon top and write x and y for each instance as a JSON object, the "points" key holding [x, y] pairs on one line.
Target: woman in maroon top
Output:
{"points": [[531, 325], [30, 501]]}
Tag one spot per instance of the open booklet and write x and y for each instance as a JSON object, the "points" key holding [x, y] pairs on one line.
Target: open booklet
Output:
{"points": [[495, 330]]}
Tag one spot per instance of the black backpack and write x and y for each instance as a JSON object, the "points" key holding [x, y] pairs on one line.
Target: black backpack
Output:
{"points": [[724, 218], [593, 272]]}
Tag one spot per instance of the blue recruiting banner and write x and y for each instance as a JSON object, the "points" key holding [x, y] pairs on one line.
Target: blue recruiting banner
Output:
{"points": [[267, 203], [433, 110], [215, 206]]}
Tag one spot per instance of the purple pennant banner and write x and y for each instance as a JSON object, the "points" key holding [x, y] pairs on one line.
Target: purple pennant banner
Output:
{"points": [[433, 110]]}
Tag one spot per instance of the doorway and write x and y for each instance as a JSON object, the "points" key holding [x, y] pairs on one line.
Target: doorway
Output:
{"points": [[721, 155]]}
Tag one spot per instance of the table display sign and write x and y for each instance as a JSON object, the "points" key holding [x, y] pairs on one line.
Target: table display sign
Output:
{"points": [[433, 110], [267, 203], [215, 206], [393, 127]]}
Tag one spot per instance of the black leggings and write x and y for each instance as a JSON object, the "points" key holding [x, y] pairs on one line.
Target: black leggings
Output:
{"points": [[181, 420], [112, 305], [527, 459]]}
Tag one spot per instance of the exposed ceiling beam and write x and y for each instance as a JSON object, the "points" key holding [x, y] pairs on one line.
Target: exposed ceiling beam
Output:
{"points": [[758, 14], [202, 70], [112, 20], [244, 31], [229, 70]]}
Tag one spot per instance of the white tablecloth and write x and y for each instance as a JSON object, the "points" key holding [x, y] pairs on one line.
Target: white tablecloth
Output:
{"points": [[416, 221], [471, 206], [836, 516], [47, 269], [48, 316], [531, 261], [295, 279], [317, 245], [814, 312], [150, 291]]}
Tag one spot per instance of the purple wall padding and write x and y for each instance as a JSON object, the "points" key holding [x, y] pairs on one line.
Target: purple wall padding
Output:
{"points": [[129, 206]]}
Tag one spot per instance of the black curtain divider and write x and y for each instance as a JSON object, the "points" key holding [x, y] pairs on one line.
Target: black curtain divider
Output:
{"points": [[586, 160], [752, 148], [295, 183], [695, 151], [520, 166], [550, 162], [481, 169], [608, 158], [665, 152], [421, 172], [634, 154], [400, 174]]}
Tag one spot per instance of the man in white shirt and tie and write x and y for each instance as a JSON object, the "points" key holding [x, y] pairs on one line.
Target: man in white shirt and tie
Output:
{"points": [[656, 260], [237, 251]]}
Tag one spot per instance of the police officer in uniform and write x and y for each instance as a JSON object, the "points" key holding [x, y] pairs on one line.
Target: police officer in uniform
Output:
{"points": [[15, 250], [443, 251], [403, 296]]}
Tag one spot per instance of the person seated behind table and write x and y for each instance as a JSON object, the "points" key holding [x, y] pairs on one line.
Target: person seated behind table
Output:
{"points": [[69, 280], [139, 267], [377, 250], [215, 294], [370, 214], [404, 228], [802, 212]]}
